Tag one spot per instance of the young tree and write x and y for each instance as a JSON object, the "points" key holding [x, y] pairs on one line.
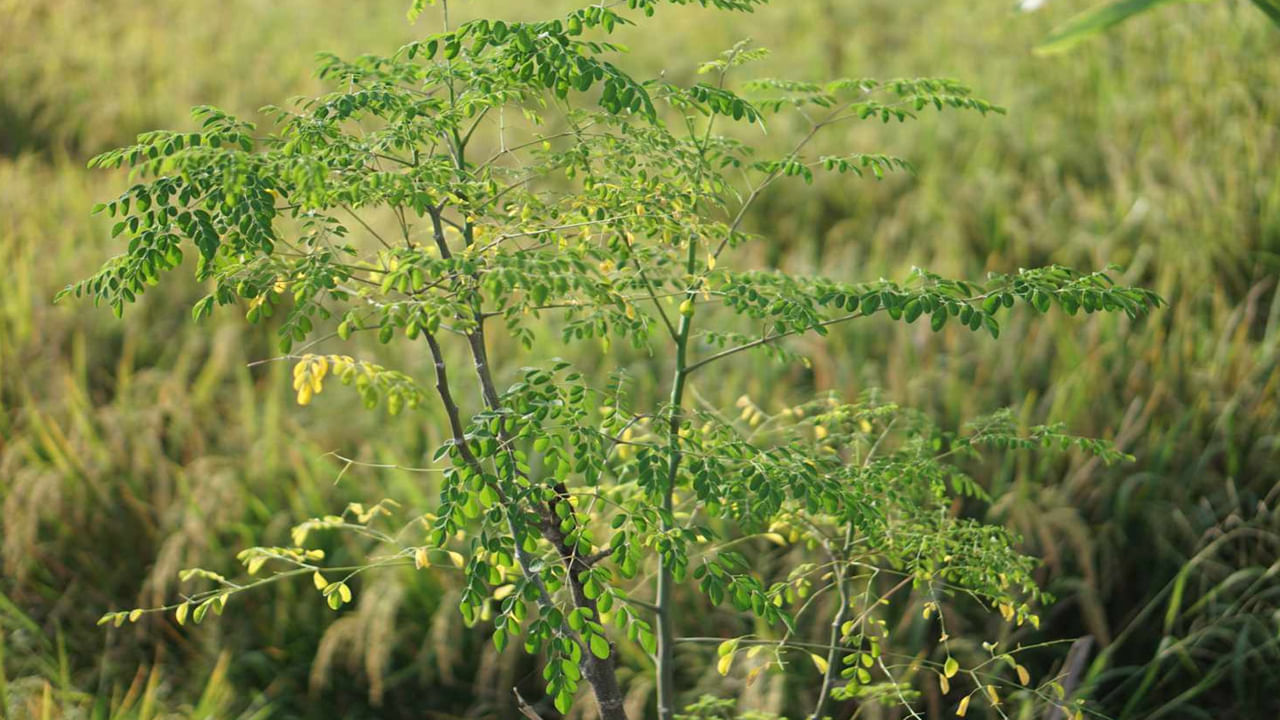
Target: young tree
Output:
{"points": [[614, 208]]}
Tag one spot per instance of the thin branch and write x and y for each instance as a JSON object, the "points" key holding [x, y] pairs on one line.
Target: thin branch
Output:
{"points": [[833, 117], [771, 339], [648, 286], [365, 225], [524, 707]]}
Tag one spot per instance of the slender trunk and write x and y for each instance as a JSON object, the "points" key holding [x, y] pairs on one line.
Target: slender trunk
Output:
{"points": [[600, 674], [459, 438], [665, 659]]}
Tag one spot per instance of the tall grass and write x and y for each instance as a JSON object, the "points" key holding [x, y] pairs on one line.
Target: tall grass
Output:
{"points": [[131, 448]]}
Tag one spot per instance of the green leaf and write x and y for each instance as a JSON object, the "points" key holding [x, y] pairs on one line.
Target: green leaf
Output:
{"points": [[599, 646], [202, 308], [992, 326], [1040, 301], [417, 7], [563, 701], [912, 310], [648, 641], [938, 319]]}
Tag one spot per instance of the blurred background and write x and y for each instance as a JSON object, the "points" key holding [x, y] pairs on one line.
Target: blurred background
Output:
{"points": [[131, 449]]}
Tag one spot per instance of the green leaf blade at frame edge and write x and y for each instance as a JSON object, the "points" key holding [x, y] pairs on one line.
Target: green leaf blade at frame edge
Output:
{"points": [[1095, 20]]}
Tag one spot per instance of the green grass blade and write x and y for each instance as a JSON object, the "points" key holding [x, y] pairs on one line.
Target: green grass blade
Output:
{"points": [[1271, 8], [1093, 21]]}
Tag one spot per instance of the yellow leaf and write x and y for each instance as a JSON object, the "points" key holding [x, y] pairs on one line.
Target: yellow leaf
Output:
{"points": [[991, 693], [504, 591], [457, 559], [944, 684], [725, 663], [951, 667], [820, 661], [1024, 677], [964, 706], [256, 564], [344, 592], [420, 559]]}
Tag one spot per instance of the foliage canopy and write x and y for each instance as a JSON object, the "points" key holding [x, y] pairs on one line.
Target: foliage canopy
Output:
{"points": [[526, 175]]}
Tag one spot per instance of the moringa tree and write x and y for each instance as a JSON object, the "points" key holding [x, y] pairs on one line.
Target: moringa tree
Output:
{"points": [[531, 185]]}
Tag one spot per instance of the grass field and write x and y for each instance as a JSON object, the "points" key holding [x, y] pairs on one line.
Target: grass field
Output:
{"points": [[130, 449]]}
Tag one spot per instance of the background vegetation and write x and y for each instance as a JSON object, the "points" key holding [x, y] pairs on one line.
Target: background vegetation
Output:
{"points": [[130, 449]]}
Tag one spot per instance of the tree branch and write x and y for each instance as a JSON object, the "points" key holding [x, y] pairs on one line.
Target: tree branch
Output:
{"points": [[770, 339]]}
